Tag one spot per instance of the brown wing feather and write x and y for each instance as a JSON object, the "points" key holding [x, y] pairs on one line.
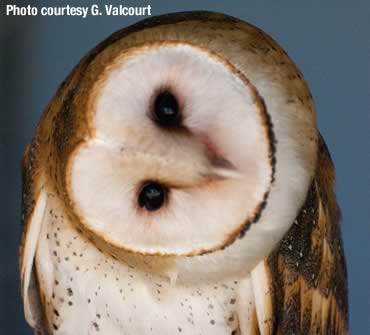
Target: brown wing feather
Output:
{"points": [[33, 208], [307, 272]]}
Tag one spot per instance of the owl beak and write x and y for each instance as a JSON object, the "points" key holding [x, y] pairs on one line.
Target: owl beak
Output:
{"points": [[225, 173], [220, 168], [222, 173]]}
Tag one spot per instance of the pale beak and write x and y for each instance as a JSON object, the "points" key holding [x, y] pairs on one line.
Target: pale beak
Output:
{"points": [[223, 173]]}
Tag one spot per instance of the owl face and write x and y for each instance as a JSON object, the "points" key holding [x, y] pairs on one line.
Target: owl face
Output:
{"points": [[175, 145], [180, 160]]}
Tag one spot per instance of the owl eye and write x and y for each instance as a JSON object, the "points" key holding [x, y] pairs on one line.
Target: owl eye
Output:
{"points": [[166, 110], [152, 196]]}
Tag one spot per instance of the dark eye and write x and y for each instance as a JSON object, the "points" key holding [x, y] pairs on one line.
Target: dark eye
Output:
{"points": [[166, 110], [152, 196]]}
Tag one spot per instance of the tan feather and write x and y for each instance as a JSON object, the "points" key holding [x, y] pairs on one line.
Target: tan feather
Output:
{"points": [[34, 205], [307, 271]]}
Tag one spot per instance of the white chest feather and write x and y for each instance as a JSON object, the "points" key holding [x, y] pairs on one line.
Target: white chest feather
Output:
{"points": [[88, 292]]}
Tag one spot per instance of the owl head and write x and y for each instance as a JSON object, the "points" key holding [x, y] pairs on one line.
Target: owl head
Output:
{"points": [[189, 136]]}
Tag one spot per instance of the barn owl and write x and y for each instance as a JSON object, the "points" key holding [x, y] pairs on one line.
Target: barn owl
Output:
{"points": [[177, 184]]}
